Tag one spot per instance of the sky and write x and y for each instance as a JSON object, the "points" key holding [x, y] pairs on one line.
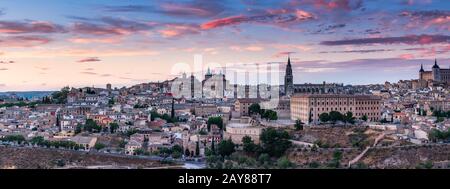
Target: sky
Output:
{"points": [[48, 44]]}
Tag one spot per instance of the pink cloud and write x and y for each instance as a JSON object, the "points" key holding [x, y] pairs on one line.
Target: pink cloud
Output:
{"points": [[23, 41], [31, 27], [84, 40], [253, 48], [90, 59], [406, 56], [175, 30], [272, 17]]}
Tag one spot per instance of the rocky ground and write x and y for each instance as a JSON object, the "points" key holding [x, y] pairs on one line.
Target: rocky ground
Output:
{"points": [[41, 158], [408, 157]]}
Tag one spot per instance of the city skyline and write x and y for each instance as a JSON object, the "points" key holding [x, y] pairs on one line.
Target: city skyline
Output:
{"points": [[45, 46]]}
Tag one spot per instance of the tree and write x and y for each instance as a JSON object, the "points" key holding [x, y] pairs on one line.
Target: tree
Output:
{"points": [[213, 148], [275, 142], [364, 118], [254, 109], [348, 118], [92, 126], [139, 151], [226, 148], [38, 140], [111, 102], [113, 127], [248, 145], [284, 163], [61, 96], [99, 146], [324, 117], [335, 116], [216, 121], [172, 112], [270, 115], [298, 125], [264, 158], [336, 161], [197, 149], [187, 152], [177, 148]]}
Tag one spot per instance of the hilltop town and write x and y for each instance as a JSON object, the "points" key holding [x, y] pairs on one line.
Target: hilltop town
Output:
{"points": [[323, 125]]}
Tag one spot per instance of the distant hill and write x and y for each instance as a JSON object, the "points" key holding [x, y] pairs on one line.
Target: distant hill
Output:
{"points": [[26, 94]]}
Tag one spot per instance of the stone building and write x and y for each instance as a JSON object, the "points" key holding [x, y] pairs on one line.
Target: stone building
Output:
{"points": [[308, 107]]}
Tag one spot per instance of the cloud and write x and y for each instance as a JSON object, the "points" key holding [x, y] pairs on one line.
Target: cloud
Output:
{"points": [[252, 48], [88, 73], [330, 5], [176, 30], [97, 74], [87, 40], [283, 54], [279, 17], [292, 47], [111, 26], [346, 5], [329, 29], [358, 51], [23, 41], [425, 19], [29, 27], [3, 69], [7, 62], [406, 56], [409, 40], [195, 8], [90, 59]]}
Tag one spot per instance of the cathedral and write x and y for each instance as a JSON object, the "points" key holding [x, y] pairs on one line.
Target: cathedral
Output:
{"points": [[308, 88], [289, 79], [436, 74]]}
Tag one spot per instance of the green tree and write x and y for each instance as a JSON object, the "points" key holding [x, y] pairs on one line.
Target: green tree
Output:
{"points": [[92, 126], [60, 97], [336, 161], [324, 117], [113, 127], [284, 163], [264, 159], [254, 109], [364, 118], [335, 116], [216, 121], [197, 149], [348, 118], [270, 115], [298, 125], [213, 148], [248, 145], [226, 147], [177, 148], [38, 140], [275, 142], [99, 146], [139, 151]]}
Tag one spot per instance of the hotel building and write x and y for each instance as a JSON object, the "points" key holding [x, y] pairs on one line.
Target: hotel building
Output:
{"points": [[308, 107]]}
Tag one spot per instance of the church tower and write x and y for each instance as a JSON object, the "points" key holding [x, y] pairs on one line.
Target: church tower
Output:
{"points": [[436, 71], [421, 71], [289, 79]]}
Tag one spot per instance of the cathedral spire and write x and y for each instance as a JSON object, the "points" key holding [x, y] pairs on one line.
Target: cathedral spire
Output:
{"points": [[421, 68], [289, 60], [435, 64]]}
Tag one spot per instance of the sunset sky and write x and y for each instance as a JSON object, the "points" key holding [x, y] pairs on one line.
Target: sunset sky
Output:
{"points": [[48, 44]]}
